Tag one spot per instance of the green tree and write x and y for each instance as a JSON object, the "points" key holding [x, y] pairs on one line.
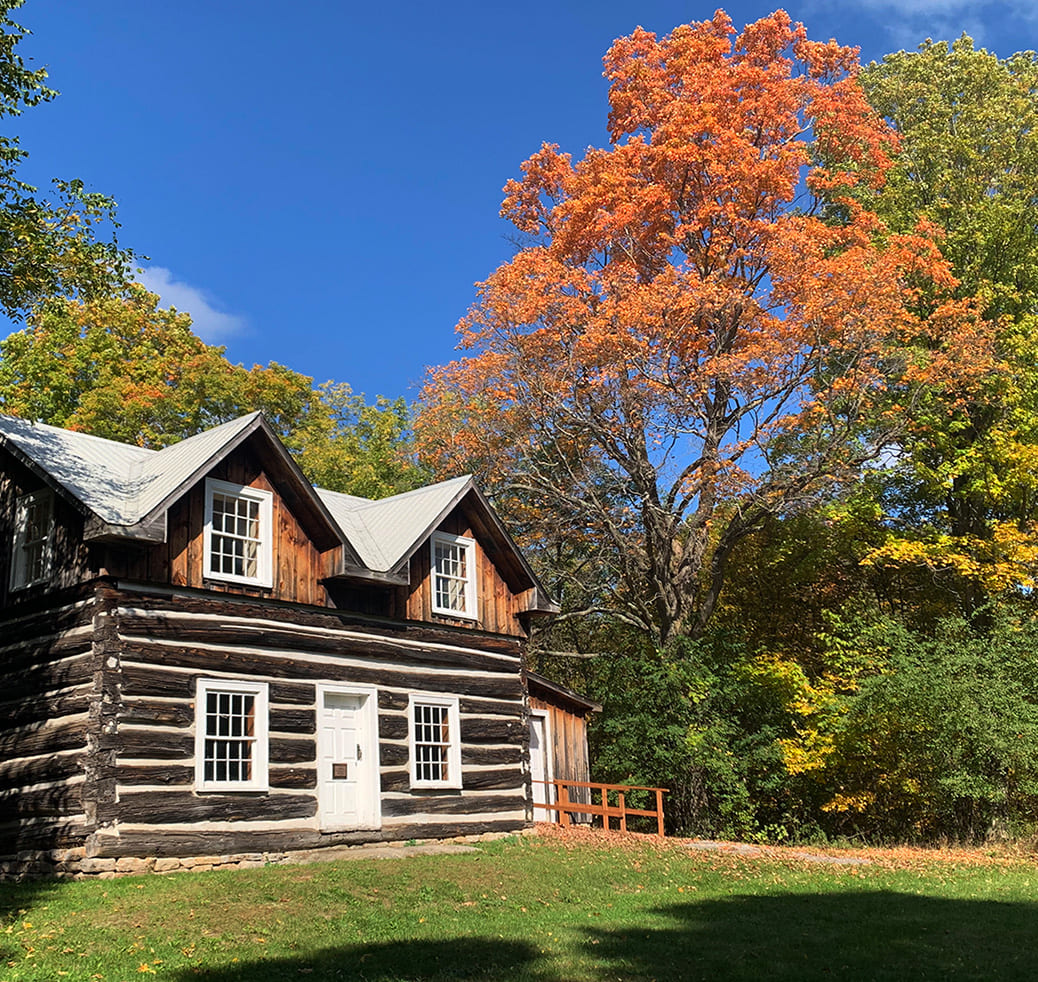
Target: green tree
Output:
{"points": [[123, 368], [349, 445], [945, 742], [48, 246], [965, 491]]}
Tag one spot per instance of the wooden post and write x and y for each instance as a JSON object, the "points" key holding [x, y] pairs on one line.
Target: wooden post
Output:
{"points": [[564, 817], [659, 813], [623, 812]]}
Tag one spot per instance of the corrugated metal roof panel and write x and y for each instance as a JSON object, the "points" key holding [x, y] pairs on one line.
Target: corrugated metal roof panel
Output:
{"points": [[96, 471], [162, 474], [385, 531], [345, 509]]}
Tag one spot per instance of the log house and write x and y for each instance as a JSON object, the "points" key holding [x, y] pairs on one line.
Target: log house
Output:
{"points": [[204, 654]]}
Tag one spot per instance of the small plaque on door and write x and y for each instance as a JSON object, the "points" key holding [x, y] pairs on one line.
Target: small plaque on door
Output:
{"points": [[339, 772]]}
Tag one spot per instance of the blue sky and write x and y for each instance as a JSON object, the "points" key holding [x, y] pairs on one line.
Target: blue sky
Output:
{"points": [[318, 183]]}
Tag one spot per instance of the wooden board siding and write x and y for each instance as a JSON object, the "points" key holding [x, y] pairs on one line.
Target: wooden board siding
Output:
{"points": [[297, 564], [49, 663], [166, 643], [568, 742], [498, 607], [71, 559]]}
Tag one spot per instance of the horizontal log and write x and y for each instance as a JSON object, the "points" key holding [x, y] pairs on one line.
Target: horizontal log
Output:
{"points": [[505, 779], [448, 803], [57, 833], [398, 702], [148, 711], [448, 830], [33, 655], [476, 730], [21, 629], [392, 727], [165, 842], [289, 639], [161, 807], [284, 750], [138, 680], [498, 780], [40, 708], [248, 665], [172, 775], [293, 777], [29, 683], [509, 754], [153, 745], [486, 707], [25, 773], [391, 755], [162, 842], [53, 802], [471, 781], [293, 720], [36, 739], [395, 780], [229, 607]]}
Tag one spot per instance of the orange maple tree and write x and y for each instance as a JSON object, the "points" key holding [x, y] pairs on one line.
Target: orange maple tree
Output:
{"points": [[704, 325]]}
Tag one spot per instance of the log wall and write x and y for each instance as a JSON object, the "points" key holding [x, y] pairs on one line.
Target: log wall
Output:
{"points": [[48, 712], [165, 643]]}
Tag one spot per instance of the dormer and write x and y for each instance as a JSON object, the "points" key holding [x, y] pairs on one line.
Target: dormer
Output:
{"points": [[229, 511], [453, 559]]}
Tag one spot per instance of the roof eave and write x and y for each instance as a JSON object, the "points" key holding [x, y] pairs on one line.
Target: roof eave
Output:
{"points": [[542, 604], [6, 443], [151, 532], [306, 495]]}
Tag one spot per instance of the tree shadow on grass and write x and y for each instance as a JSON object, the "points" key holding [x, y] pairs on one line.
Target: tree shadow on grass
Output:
{"points": [[879, 935], [20, 897], [471, 959], [859, 935]]}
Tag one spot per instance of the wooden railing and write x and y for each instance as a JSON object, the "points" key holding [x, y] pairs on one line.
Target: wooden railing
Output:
{"points": [[564, 806]]}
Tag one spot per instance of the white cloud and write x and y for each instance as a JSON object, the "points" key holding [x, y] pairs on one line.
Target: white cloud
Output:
{"points": [[909, 22], [209, 323]]}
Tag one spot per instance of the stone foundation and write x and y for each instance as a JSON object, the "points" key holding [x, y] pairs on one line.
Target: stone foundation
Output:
{"points": [[75, 864]]}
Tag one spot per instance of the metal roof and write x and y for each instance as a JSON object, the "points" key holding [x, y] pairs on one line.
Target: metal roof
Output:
{"points": [[118, 482], [126, 487], [387, 531], [93, 471]]}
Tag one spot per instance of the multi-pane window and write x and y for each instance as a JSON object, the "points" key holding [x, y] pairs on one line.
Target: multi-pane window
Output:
{"points": [[435, 742], [231, 735], [34, 527], [238, 533], [454, 575]]}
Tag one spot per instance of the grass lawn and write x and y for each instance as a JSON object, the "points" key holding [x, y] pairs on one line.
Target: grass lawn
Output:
{"points": [[556, 908]]}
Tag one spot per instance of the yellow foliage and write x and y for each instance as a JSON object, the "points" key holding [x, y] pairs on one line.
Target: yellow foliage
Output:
{"points": [[850, 802]]}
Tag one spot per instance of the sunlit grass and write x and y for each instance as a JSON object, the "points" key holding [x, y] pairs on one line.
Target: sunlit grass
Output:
{"points": [[536, 909]]}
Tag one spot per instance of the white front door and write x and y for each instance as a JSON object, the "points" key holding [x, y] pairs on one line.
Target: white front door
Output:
{"points": [[347, 758], [540, 766]]}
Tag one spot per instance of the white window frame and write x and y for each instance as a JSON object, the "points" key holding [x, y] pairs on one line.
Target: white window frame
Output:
{"points": [[471, 611], [19, 566], [450, 703], [260, 780], [264, 560]]}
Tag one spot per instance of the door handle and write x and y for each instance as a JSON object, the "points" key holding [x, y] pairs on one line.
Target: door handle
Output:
{"points": [[360, 753]]}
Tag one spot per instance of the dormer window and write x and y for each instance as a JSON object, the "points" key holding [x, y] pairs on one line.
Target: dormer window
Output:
{"points": [[33, 534], [453, 576], [238, 534]]}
